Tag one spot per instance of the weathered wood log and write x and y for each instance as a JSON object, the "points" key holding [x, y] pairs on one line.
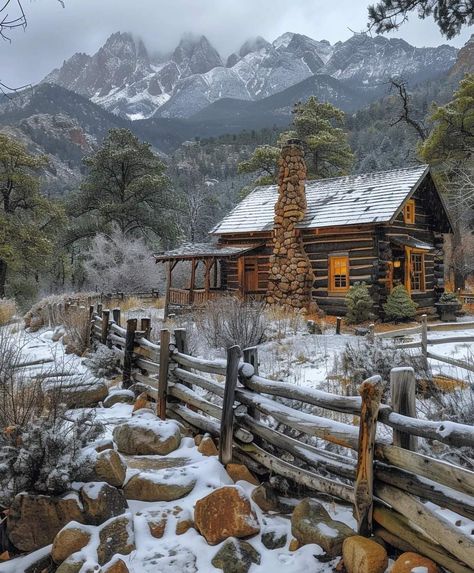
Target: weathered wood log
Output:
{"points": [[459, 363], [227, 420], [190, 397], [209, 366], [424, 341], [457, 478], [403, 391], [105, 326], [195, 379], [145, 326], [147, 365], [299, 475], [399, 526], [437, 527], [447, 326], [371, 393], [115, 339], [163, 372], [116, 315], [118, 329], [338, 325], [128, 353], [401, 332]]}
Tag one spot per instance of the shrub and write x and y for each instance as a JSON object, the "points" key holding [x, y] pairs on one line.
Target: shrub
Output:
{"points": [[399, 305], [7, 310], [359, 304], [229, 320], [77, 327], [449, 297]]}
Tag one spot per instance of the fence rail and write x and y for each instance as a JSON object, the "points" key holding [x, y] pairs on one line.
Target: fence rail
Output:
{"points": [[261, 422]]}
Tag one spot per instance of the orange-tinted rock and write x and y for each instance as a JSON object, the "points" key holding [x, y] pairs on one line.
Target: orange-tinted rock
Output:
{"points": [[363, 555], [294, 545], [158, 520], [141, 402], [116, 566], [207, 447], [226, 512], [70, 539], [239, 472], [409, 561]]}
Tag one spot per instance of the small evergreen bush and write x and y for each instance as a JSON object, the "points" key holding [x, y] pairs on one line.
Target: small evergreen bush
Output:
{"points": [[359, 304], [399, 305], [448, 298]]}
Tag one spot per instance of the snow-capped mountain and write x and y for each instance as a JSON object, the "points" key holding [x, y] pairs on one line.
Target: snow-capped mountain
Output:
{"points": [[125, 79]]}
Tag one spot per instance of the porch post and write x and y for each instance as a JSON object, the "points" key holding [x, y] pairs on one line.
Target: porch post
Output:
{"points": [[169, 270], [192, 283], [207, 277], [215, 273]]}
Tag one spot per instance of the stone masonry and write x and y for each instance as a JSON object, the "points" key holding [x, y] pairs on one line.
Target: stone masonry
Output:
{"points": [[291, 275]]}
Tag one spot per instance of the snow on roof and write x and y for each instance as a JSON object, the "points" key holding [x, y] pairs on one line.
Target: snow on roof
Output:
{"points": [[203, 250], [352, 200]]}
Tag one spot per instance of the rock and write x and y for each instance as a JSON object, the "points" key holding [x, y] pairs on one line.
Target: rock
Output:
{"points": [[164, 486], [35, 323], [363, 555], [141, 402], [116, 536], [236, 557], [102, 501], [409, 562], [34, 520], [361, 331], [87, 393], [294, 545], [110, 467], [142, 436], [71, 565], [226, 512], [115, 566], [178, 518], [119, 397], [311, 523], [170, 559], [273, 539], [239, 472], [265, 497], [41, 565], [104, 445], [198, 439], [69, 540], [313, 327], [207, 447], [58, 333]]}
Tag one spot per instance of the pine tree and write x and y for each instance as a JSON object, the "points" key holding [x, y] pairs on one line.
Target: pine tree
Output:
{"points": [[263, 163], [359, 304], [399, 305]]}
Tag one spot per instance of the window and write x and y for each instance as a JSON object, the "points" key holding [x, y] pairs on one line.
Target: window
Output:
{"points": [[338, 273], [417, 271], [409, 212]]}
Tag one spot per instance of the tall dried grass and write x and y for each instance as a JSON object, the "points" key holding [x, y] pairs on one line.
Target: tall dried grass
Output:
{"points": [[7, 310]]}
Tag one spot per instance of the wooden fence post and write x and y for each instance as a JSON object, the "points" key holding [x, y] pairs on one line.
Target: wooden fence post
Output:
{"points": [[145, 326], [251, 356], [180, 340], [90, 332], [105, 326], [371, 393], [128, 354], [116, 315], [99, 308], [227, 421], [338, 325], [403, 390], [424, 341], [164, 370], [371, 335]]}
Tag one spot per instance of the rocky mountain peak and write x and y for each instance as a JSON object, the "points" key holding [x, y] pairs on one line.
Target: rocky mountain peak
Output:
{"points": [[253, 45], [196, 55]]}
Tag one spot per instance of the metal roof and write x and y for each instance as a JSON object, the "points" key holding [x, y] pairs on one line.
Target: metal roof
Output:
{"points": [[409, 241], [203, 251], [353, 200]]}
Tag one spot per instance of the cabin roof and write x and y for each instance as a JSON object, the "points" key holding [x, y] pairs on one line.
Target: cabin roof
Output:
{"points": [[353, 200], [190, 251]]}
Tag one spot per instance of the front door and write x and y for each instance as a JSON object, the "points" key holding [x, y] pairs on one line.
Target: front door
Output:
{"points": [[250, 274]]}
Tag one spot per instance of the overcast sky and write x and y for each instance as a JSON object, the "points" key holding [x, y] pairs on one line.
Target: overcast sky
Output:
{"points": [[55, 33]]}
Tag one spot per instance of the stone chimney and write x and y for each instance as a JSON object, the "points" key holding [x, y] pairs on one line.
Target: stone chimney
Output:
{"points": [[291, 276]]}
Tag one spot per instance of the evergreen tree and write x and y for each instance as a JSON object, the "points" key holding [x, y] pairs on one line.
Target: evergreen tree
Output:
{"points": [[399, 305], [318, 126], [450, 15], [264, 163], [359, 304], [125, 188], [28, 221]]}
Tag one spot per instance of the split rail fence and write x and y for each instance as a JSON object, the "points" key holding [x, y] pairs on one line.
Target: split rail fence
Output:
{"points": [[260, 422]]}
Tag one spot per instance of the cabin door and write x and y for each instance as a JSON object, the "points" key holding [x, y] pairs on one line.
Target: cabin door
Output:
{"points": [[250, 274]]}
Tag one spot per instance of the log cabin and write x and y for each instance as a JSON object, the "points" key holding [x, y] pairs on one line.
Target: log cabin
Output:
{"points": [[303, 244]]}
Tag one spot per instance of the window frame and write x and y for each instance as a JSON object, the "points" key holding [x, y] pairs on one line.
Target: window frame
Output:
{"points": [[409, 212], [332, 288], [409, 253]]}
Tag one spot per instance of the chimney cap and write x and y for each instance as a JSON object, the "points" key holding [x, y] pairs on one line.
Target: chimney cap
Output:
{"points": [[294, 141]]}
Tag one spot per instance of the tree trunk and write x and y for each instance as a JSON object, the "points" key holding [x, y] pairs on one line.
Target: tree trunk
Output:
{"points": [[3, 277], [458, 256]]}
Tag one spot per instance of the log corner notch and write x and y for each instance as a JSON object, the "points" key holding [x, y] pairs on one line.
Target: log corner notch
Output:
{"points": [[371, 392]]}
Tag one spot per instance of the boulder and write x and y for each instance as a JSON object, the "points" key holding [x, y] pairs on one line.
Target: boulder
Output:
{"points": [[142, 436], [83, 393], [236, 557], [294, 545], [266, 497], [34, 520], [239, 472], [162, 486], [274, 539], [207, 447], [362, 555], [104, 445], [226, 512], [116, 536], [110, 467], [141, 402], [69, 540], [119, 397], [72, 565], [117, 565], [102, 501], [413, 563], [311, 523], [179, 520]]}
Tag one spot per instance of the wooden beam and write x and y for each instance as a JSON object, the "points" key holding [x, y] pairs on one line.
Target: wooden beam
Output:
{"points": [[227, 422], [128, 354], [164, 372], [403, 391]]}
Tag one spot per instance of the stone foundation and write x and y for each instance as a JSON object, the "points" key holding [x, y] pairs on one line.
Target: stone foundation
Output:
{"points": [[291, 276]]}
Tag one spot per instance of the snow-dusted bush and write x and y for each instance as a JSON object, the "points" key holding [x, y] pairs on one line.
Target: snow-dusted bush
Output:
{"points": [[41, 450], [7, 310], [76, 322], [399, 305], [359, 304], [119, 262], [229, 320], [103, 362]]}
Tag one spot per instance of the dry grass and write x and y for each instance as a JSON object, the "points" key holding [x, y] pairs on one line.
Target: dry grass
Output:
{"points": [[7, 310], [445, 384], [76, 323]]}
